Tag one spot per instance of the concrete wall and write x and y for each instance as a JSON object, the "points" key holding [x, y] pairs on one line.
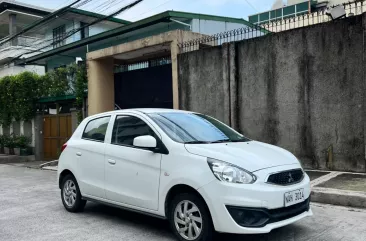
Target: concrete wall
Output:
{"points": [[303, 90], [198, 88], [14, 70]]}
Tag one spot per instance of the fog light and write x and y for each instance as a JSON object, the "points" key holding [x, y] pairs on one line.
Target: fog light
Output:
{"points": [[248, 217]]}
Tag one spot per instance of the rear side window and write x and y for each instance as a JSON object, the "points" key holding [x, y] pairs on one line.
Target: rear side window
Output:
{"points": [[95, 130], [127, 128]]}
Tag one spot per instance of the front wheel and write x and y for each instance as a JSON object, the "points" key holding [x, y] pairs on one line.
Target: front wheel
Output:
{"points": [[71, 196], [190, 218]]}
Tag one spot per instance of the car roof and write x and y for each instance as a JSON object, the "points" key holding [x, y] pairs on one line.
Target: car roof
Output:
{"points": [[144, 110]]}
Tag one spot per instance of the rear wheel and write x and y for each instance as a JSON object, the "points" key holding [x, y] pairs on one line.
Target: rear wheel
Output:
{"points": [[190, 218], [71, 196]]}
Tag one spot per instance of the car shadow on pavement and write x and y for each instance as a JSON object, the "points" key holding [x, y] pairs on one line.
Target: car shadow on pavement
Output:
{"points": [[155, 225]]}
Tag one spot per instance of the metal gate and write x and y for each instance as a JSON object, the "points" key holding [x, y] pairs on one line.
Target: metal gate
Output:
{"points": [[56, 131], [147, 84]]}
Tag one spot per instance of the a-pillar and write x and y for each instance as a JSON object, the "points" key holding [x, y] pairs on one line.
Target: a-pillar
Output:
{"points": [[100, 85]]}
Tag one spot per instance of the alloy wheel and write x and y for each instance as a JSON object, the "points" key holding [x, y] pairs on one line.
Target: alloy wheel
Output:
{"points": [[188, 220], [69, 193]]}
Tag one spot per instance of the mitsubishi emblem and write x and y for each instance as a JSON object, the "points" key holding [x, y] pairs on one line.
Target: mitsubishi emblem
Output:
{"points": [[290, 178]]}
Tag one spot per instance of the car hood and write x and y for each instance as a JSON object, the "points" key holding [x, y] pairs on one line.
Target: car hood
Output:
{"points": [[251, 156]]}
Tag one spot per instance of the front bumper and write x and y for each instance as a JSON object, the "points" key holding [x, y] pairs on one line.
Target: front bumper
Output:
{"points": [[224, 199]]}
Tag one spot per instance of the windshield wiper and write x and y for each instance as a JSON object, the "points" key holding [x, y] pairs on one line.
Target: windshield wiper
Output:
{"points": [[197, 142], [221, 141], [241, 140]]}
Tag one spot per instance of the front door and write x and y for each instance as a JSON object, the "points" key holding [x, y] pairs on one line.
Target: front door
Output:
{"points": [[89, 154], [132, 174]]}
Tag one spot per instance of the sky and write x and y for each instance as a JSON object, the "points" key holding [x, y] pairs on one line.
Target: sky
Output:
{"points": [[228, 8]]}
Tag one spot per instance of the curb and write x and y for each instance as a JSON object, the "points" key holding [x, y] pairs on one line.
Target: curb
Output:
{"points": [[50, 168], [47, 164], [336, 196], [339, 197]]}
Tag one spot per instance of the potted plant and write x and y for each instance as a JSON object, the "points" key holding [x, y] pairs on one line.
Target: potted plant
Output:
{"points": [[10, 144], [22, 144]]}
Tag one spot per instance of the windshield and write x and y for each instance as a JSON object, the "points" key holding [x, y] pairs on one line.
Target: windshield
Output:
{"points": [[191, 128]]}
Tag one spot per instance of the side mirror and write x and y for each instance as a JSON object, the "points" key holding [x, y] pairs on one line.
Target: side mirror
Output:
{"points": [[145, 142]]}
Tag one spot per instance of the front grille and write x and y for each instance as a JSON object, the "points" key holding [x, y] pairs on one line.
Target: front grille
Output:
{"points": [[287, 177]]}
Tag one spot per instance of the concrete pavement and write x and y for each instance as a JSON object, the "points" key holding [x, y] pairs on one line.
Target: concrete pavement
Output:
{"points": [[339, 188], [31, 209]]}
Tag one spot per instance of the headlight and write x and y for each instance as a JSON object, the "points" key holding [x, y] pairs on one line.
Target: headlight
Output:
{"points": [[227, 172]]}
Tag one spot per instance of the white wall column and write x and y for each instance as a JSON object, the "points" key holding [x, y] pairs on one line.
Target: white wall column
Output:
{"points": [[11, 129], [33, 134], [22, 128]]}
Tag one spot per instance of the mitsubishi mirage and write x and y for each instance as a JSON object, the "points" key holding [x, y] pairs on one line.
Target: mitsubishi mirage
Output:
{"points": [[189, 168]]}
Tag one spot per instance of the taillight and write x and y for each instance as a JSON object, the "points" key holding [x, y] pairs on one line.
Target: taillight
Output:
{"points": [[63, 147]]}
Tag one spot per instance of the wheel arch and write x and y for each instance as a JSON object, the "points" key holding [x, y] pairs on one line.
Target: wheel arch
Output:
{"points": [[62, 175], [181, 188]]}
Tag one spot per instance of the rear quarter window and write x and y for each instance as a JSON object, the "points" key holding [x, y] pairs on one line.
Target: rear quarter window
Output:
{"points": [[96, 129]]}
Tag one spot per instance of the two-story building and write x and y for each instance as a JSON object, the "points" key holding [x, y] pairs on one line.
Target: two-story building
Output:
{"points": [[15, 16]]}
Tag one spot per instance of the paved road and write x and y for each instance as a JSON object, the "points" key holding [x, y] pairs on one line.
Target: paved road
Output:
{"points": [[31, 209]]}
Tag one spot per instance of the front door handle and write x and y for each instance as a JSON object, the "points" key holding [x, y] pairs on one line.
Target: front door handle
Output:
{"points": [[113, 162], [78, 153]]}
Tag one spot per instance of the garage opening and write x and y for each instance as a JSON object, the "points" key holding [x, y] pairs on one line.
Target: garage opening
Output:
{"points": [[144, 84], [143, 78]]}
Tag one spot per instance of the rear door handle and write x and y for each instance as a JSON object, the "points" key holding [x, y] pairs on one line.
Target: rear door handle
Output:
{"points": [[78, 153], [113, 162]]}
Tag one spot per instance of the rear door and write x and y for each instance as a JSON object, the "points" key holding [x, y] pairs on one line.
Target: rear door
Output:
{"points": [[132, 174], [90, 150]]}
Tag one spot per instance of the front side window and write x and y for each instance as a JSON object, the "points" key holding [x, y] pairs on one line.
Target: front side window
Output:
{"points": [[191, 128], [127, 128], [95, 130], [84, 32]]}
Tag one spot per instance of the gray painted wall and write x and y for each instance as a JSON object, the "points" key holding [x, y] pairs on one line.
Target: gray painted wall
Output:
{"points": [[303, 90]]}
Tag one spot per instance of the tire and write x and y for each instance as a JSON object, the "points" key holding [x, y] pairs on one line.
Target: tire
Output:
{"points": [[191, 218], [71, 196]]}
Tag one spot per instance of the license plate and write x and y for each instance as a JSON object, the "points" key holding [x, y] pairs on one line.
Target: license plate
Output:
{"points": [[294, 197]]}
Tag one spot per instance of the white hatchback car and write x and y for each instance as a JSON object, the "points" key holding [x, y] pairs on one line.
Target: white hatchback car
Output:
{"points": [[186, 167]]}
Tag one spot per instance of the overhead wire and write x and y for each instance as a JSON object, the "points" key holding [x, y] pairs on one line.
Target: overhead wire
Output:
{"points": [[45, 41], [152, 9], [115, 2], [40, 25], [85, 26], [251, 5], [41, 22]]}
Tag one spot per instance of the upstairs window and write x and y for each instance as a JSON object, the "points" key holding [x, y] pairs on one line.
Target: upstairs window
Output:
{"points": [[84, 32], [58, 36]]}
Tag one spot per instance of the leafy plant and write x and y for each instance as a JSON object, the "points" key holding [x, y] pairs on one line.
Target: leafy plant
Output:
{"points": [[19, 93], [3, 142], [22, 141], [11, 143], [81, 87]]}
